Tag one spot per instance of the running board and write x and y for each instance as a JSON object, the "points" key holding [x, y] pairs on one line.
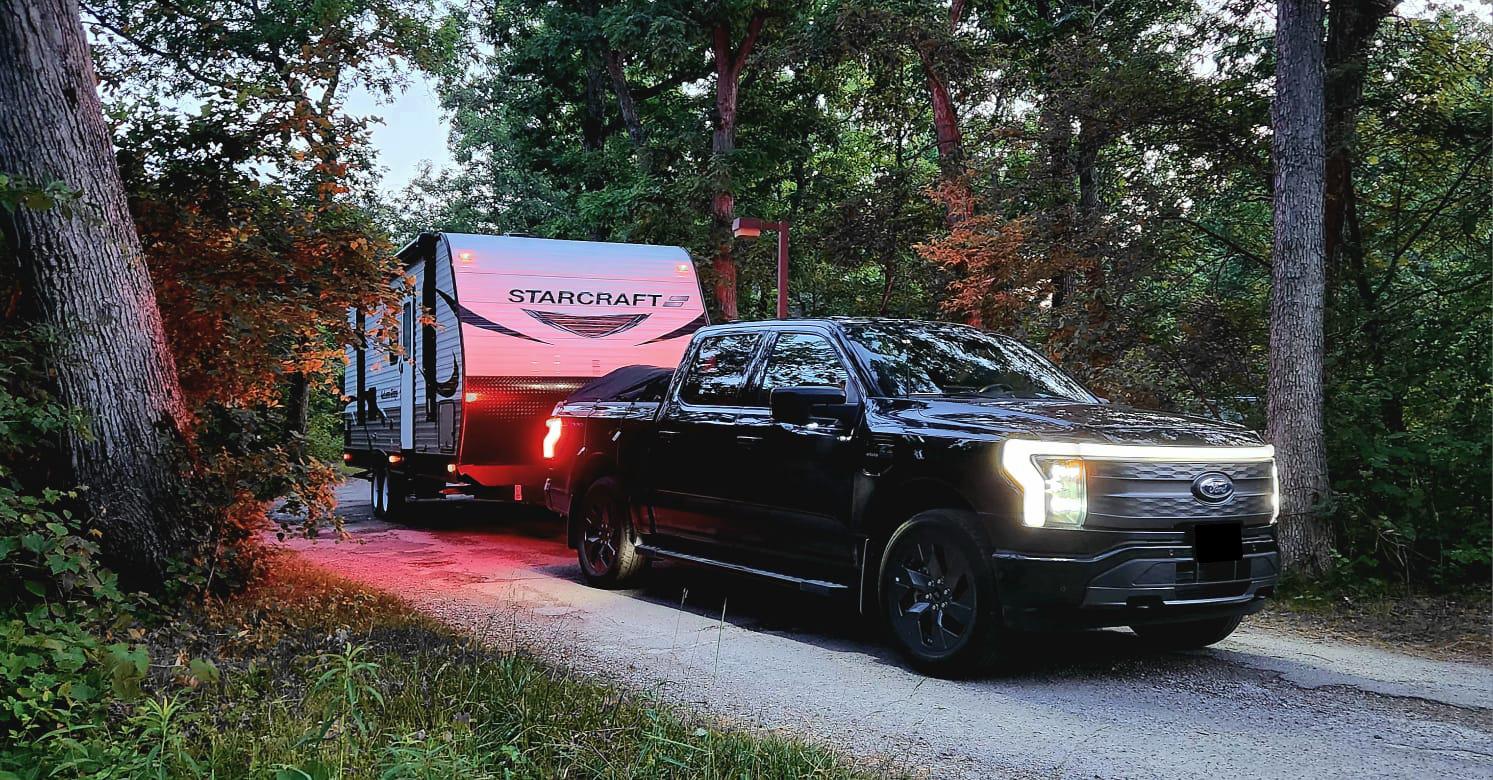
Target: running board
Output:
{"points": [[810, 586]]}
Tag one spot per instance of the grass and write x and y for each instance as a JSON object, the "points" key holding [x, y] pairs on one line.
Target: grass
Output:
{"points": [[309, 676]]}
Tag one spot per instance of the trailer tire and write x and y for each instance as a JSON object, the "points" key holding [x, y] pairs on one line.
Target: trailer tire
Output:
{"points": [[607, 547], [396, 496], [378, 483]]}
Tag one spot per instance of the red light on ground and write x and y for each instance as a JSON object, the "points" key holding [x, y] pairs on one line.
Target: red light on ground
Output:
{"points": [[471, 397], [551, 436]]}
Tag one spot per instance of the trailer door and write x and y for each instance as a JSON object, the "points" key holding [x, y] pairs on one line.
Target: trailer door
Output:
{"points": [[407, 377]]}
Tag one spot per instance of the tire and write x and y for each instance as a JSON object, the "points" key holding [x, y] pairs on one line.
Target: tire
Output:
{"points": [[1191, 635], [607, 549], [378, 487], [938, 597], [396, 496]]}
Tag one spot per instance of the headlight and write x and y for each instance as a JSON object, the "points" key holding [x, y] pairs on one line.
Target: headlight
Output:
{"points": [[1065, 497]]}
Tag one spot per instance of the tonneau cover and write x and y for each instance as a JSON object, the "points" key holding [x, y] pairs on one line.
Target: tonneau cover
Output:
{"points": [[618, 384]]}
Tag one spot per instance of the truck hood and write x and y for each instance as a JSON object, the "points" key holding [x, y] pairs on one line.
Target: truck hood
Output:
{"points": [[998, 419]]}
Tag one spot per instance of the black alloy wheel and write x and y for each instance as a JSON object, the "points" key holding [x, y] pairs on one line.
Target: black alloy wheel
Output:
{"points": [[939, 604], [606, 549]]}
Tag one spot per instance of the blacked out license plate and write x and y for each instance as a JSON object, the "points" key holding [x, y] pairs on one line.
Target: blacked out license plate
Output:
{"points": [[1218, 542]]}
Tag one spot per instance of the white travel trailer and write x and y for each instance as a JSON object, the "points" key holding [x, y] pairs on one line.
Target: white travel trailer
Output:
{"points": [[495, 331]]}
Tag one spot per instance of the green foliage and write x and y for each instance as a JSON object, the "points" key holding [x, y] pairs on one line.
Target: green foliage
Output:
{"points": [[306, 676]]}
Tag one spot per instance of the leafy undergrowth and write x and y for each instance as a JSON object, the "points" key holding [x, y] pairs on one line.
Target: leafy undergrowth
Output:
{"points": [[308, 676], [1450, 626]]}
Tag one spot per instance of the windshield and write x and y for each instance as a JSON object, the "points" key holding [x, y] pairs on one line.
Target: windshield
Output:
{"points": [[932, 358]]}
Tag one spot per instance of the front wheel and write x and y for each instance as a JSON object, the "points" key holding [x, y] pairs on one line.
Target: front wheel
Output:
{"points": [[608, 553], [938, 595], [1187, 636]]}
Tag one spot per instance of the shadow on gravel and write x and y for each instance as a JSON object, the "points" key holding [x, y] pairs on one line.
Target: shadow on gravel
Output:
{"points": [[755, 605]]}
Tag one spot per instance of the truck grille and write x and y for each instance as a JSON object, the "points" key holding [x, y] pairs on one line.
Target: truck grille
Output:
{"points": [[1159, 495]]}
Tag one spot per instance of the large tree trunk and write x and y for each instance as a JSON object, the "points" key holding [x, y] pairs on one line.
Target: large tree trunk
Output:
{"points": [[87, 276], [728, 66], [1298, 279]]}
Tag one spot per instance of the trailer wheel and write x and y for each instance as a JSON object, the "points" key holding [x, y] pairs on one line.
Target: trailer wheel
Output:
{"points": [[396, 496], [378, 491], [607, 551]]}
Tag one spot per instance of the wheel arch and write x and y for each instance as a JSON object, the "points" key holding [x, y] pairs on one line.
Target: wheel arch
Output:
{"points": [[590, 468], [890, 507]]}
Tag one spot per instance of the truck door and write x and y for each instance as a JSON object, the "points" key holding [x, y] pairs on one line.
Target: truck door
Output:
{"points": [[796, 510], [695, 460]]}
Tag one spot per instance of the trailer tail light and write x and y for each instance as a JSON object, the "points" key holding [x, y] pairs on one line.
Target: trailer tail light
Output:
{"points": [[551, 436]]}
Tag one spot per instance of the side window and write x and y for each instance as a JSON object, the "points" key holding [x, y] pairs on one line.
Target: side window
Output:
{"points": [[719, 371], [801, 360]]}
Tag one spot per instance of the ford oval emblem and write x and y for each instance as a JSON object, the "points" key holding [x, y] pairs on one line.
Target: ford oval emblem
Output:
{"points": [[1213, 488]]}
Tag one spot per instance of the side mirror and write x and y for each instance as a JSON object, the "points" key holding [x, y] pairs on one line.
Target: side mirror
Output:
{"points": [[800, 405]]}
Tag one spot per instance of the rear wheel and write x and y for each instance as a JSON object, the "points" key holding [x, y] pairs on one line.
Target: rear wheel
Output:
{"points": [[1187, 636], [607, 551], [396, 496], [378, 491], [938, 595]]}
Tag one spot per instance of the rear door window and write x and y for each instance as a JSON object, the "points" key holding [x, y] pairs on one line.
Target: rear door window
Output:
{"points": [[801, 360], [719, 371]]}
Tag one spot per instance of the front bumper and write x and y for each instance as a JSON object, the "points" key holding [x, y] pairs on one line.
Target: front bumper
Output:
{"points": [[1147, 578]]}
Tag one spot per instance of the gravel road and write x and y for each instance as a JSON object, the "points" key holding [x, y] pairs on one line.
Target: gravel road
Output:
{"points": [[1090, 704]]}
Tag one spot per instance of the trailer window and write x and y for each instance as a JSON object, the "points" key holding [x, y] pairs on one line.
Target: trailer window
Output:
{"points": [[407, 330], [719, 371]]}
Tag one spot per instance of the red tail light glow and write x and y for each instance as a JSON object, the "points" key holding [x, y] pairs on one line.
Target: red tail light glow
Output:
{"points": [[551, 436]]}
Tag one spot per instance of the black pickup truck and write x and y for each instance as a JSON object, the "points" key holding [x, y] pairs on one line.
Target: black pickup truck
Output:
{"points": [[954, 483]]}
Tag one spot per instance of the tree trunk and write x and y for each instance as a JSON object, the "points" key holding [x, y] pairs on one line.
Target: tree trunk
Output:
{"points": [[1298, 278], [959, 201], [625, 103], [89, 282], [728, 66], [1351, 25]]}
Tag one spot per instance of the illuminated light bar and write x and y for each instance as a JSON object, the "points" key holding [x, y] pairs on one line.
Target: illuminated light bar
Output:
{"points": [[472, 397], [1016, 459], [552, 436], [396, 458]]}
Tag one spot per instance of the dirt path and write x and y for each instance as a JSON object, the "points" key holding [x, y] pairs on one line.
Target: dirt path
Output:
{"points": [[1262, 704]]}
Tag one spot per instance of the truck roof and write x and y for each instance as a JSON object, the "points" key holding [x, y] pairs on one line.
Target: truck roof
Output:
{"points": [[830, 322]]}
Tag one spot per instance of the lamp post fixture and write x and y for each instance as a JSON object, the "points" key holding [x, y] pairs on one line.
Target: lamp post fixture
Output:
{"points": [[751, 227]]}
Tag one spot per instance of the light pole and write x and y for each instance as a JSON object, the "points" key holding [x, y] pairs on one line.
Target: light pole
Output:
{"points": [[751, 227]]}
